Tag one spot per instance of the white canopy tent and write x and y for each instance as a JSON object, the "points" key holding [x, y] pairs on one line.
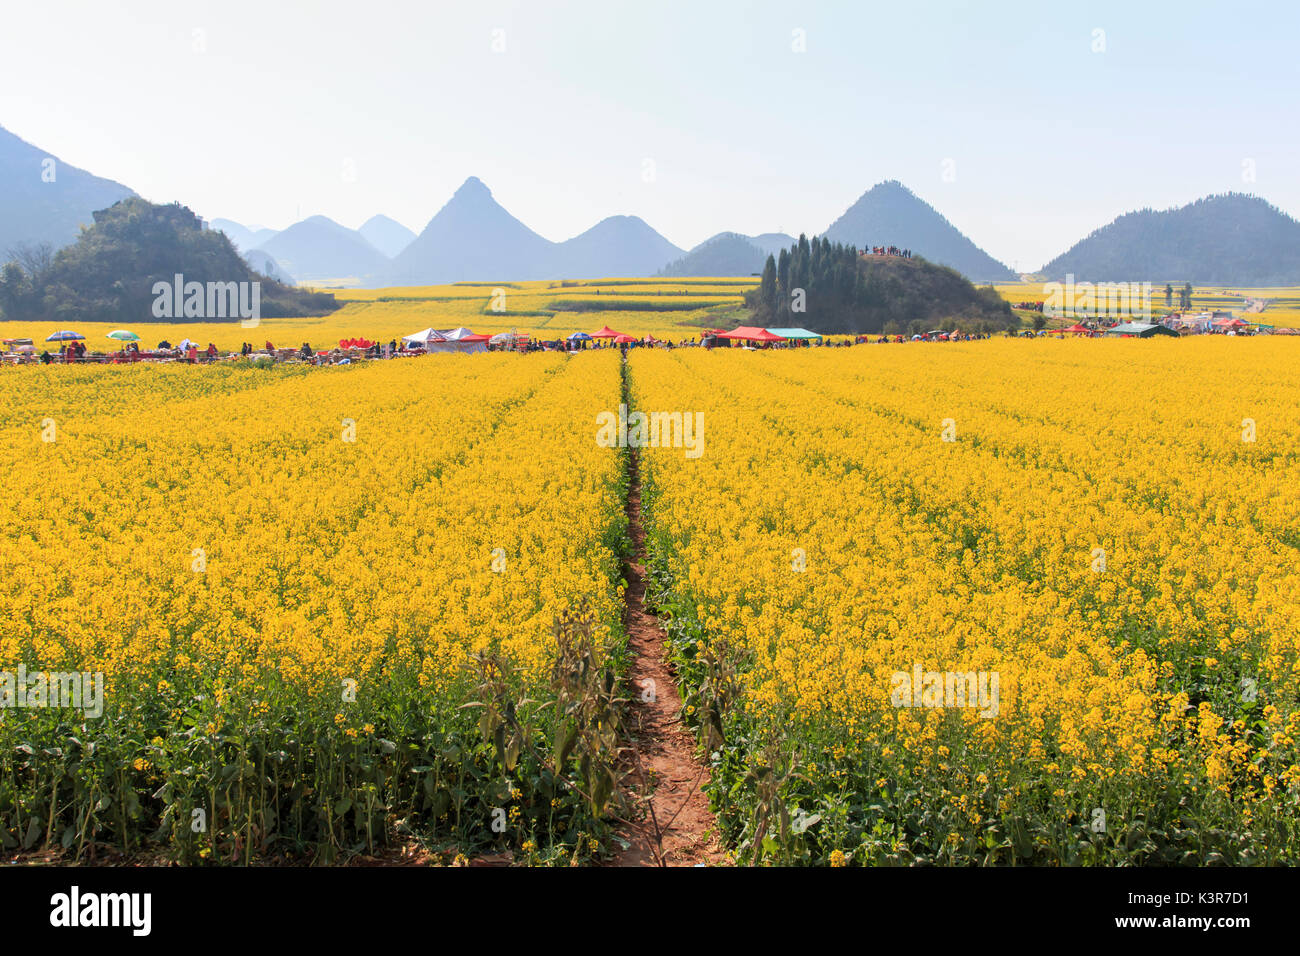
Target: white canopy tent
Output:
{"points": [[423, 337], [434, 341]]}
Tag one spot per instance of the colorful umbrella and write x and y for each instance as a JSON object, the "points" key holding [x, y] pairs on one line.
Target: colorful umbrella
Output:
{"points": [[64, 336], [122, 335]]}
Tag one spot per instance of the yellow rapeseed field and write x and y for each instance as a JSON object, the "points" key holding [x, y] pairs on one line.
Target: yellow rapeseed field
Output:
{"points": [[282, 575], [1107, 530], [674, 309], [989, 602]]}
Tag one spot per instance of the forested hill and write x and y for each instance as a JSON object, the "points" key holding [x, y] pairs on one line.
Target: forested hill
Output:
{"points": [[1229, 239], [842, 292], [109, 273]]}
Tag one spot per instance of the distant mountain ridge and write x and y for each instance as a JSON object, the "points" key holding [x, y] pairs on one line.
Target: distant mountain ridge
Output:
{"points": [[320, 248], [240, 236], [387, 235], [1230, 238], [43, 199], [615, 246], [726, 254], [772, 242], [890, 214], [474, 238]]}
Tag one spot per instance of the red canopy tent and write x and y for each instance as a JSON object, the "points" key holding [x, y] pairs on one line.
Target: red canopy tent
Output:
{"points": [[605, 332], [623, 339], [1082, 329], [1230, 323], [750, 333]]}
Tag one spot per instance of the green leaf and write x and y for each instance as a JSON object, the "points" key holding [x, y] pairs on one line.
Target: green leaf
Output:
{"points": [[33, 833], [565, 745]]}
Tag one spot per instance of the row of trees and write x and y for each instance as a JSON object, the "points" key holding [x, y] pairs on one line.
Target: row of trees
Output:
{"points": [[1184, 296]]}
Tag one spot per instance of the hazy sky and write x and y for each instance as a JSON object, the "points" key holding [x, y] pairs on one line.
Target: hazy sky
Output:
{"points": [[267, 112]]}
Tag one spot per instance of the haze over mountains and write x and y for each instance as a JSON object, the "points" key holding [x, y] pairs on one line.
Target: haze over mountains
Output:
{"points": [[473, 238], [1220, 239], [245, 238], [319, 248], [43, 199], [617, 246], [387, 235]]}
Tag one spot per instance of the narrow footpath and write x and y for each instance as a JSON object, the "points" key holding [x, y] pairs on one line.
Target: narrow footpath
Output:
{"points": [[677, 828]]}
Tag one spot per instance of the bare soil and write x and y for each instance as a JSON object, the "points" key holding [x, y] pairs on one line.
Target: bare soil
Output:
{"points": [[677, 829]]}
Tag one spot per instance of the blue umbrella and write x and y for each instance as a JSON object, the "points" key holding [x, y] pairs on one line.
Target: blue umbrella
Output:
{"points": [[64, 336], [579, 337]]}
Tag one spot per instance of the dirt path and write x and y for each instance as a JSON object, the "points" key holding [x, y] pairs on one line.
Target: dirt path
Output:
{"points": [[668, 768]]}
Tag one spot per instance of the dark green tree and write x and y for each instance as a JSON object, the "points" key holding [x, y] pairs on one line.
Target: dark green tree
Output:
{"points": [[845, 293], [767, 286]]}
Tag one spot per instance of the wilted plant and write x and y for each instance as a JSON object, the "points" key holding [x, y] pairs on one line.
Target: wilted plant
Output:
{"points": [[588, 709]]}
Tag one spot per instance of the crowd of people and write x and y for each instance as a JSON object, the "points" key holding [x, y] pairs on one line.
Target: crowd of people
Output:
{"points": [[190, 352], [889, 251]]}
